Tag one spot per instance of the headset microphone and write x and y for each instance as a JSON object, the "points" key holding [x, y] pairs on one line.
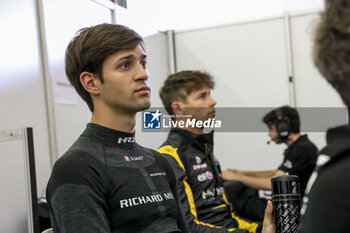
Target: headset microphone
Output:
{"points": [[269, 141]]}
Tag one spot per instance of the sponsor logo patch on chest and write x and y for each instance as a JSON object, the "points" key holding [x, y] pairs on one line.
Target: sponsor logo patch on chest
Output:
{"points": [[205, 176], [158, 174], [198, 159], [200, 167], [210, 194], [142, 200], [133, 158]]}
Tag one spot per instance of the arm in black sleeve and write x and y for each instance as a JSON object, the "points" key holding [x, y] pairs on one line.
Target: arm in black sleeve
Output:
{"points": [[327, 207], [76, 198]]}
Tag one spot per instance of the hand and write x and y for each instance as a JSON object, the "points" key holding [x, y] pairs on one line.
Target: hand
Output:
{"points": [[269, 221], [231, 174]]}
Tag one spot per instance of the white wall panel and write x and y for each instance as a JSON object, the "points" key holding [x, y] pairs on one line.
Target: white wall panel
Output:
{"points": [[22, 103], [13, 198], [63, 18], [248, 62], [311, 89]]}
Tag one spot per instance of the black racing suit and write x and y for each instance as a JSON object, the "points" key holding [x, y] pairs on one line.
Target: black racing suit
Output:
{"points": [[326, 204], [106, 182], [200, 184]]}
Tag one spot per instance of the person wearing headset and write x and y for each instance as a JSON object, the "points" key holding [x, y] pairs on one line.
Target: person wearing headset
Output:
{"points": [[299, 159]]}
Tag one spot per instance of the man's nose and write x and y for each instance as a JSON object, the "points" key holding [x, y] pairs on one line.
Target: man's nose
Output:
{"points": [[142, 73], [213, 102]]}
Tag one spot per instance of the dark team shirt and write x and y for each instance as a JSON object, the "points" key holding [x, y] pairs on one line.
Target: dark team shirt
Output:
{"points": [[300, 159], [200, 184], [326, 205], [106, 182]]}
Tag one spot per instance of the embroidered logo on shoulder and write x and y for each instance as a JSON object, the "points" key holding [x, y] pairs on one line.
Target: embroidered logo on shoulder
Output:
{"points": [[129, 158]]}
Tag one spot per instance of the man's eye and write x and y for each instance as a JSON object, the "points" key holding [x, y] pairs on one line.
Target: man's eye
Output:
{"points": [[144, 64], [125, 65]]}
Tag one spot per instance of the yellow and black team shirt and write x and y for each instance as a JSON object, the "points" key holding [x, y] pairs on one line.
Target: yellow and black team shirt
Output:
{"points": [[200, 184]]}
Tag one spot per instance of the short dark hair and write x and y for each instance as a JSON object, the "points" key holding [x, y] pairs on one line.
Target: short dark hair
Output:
{"points": [[179, 85], [89, 49], [331, 50], [285, 111]]}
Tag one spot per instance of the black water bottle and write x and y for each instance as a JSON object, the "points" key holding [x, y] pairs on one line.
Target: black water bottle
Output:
{"points": [[287, 202]]}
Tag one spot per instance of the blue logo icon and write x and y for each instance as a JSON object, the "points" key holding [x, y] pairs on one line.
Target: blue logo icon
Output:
{"points": [[152, 119]]}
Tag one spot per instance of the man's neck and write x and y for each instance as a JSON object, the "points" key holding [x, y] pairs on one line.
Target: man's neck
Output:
{"points": [[292, 138], [114, 120]]}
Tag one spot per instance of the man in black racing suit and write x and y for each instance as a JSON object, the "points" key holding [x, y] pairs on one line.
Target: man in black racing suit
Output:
{"points": [[186, 96], [106, 182], [326, 205], [326, 200]]}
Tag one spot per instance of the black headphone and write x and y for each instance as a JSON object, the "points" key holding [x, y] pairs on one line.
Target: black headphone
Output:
{"points": [[282, 125]]}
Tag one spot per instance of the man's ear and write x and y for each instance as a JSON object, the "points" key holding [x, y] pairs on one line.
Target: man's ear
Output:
{"points": [[177, 108], [90, 82]]}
